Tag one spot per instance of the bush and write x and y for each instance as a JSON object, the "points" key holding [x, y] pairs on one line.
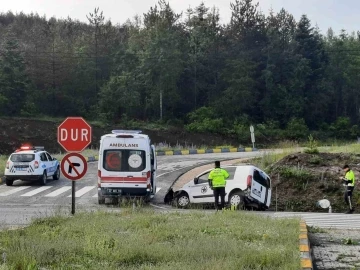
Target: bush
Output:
{"points": [[341, 129], [203, 120], [312, 146], [297, 129]]}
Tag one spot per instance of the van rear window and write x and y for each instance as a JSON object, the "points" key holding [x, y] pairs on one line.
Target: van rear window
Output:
{"points": [[22, 157], [261, 179], [123, 160]]}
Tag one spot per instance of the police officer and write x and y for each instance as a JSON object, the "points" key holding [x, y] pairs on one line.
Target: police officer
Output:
{"points": [[217, 182], [349, 182]]}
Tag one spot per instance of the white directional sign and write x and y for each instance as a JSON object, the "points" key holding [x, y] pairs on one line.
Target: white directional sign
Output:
{"points": [[252, 135], [73, 166]]}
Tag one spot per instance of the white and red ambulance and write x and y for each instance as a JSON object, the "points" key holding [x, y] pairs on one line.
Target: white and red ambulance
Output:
{"points": [[127, 165]]}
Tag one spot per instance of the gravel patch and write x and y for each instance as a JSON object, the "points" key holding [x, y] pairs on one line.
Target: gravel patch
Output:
{"points": [[335, 249]]}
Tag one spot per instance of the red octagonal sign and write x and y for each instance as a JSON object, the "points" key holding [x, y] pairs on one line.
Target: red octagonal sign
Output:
{"points": [[74, 134]]}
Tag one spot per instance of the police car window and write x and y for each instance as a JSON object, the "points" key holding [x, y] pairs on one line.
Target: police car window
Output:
{"points": [[231, 171], [124, 160], [261, 178], [43, 157], [204, 178], [49, 157], [22, 157]]}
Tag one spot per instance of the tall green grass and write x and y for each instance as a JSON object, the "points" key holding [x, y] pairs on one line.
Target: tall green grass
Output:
{"points": [[353, 148], [149, 240]]}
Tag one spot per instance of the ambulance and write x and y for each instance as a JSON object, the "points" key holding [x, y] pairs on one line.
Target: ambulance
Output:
{"points": [[126, 166]]}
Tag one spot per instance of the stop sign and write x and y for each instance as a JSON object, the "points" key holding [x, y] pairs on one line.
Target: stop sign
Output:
{"points": [[74, 134]]}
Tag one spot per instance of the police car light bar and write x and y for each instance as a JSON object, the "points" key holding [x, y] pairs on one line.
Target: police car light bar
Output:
{"points": [[28, 147], [126, 131]]}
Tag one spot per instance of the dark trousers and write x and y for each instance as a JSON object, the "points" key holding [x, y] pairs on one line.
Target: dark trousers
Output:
{"points": [[348, 197], [219, 191]]}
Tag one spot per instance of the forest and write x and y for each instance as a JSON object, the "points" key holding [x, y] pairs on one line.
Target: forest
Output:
{"points": [[189, 70]]}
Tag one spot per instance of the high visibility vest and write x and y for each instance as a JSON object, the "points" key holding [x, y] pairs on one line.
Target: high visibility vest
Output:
{"points": [[350, 176], [218, 177]]}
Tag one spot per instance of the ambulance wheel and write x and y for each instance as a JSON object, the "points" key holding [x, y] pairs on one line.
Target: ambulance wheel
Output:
{"points": [[9, 182], [43, 179], [236, 200], [56, 175], [101, 200], [182, 200]]}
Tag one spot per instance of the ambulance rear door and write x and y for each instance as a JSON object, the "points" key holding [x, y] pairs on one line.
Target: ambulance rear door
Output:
{"points": [[124, 162]]}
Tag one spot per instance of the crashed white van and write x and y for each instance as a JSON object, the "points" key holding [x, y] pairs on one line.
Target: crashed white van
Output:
{"points": [[126, 166], [247, 187]]}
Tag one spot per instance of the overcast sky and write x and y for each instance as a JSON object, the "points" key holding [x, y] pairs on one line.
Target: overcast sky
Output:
{"points": [[338, 14]]}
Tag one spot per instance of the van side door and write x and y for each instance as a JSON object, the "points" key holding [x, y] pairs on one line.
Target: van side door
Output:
{"points": [[201, 192]]}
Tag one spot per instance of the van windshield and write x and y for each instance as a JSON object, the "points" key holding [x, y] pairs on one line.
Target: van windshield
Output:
{"points": [[22, 157], [124, 160]]}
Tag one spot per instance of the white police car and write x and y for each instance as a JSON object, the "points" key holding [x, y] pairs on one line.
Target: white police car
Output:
{"points": [[31, 164]]}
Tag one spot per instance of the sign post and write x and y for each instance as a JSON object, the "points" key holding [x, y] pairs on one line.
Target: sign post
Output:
{"points": [[252, 136], [74, 135]]}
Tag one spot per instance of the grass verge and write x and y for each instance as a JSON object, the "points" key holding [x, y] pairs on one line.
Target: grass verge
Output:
{"points": [[148, 240]]}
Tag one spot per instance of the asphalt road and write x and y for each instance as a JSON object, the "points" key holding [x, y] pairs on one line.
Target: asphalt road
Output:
{"points": [[24, 201]]}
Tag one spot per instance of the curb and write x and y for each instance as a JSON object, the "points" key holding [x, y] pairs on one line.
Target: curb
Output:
{"points": [[304, 247], [92, 158], [204, 151]]}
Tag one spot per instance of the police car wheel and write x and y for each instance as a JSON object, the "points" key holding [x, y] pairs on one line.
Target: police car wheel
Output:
{"points": [[43, 179], [182, 200], [236, 200], [9, 182], [56, 175]]}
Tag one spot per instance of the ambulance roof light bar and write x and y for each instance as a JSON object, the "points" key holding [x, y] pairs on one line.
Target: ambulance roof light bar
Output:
{"points": [[126, 131]]}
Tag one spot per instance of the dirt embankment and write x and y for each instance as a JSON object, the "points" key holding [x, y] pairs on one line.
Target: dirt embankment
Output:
{"points": [[14, 132], [300, 180]]}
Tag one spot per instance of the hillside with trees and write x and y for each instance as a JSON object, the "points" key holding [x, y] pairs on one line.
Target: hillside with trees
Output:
{"points": [[274, 71]]}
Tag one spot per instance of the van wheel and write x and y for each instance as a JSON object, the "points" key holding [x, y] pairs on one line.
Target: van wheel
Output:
{"points": [[236, 200], [9, 182], [56, 175], [43, 179], [182, 200]]}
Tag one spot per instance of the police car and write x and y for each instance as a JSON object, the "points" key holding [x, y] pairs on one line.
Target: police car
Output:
{"points": [[247, 187], [31, 164]]}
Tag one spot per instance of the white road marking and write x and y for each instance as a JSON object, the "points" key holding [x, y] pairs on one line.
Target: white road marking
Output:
{"points": [[325, 220], [82, 191], [36, 191], [58, 191], [12, 191]]}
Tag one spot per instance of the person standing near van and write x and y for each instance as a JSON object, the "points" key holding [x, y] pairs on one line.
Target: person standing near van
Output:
{"points": [[349, 181], [217, 182]]}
